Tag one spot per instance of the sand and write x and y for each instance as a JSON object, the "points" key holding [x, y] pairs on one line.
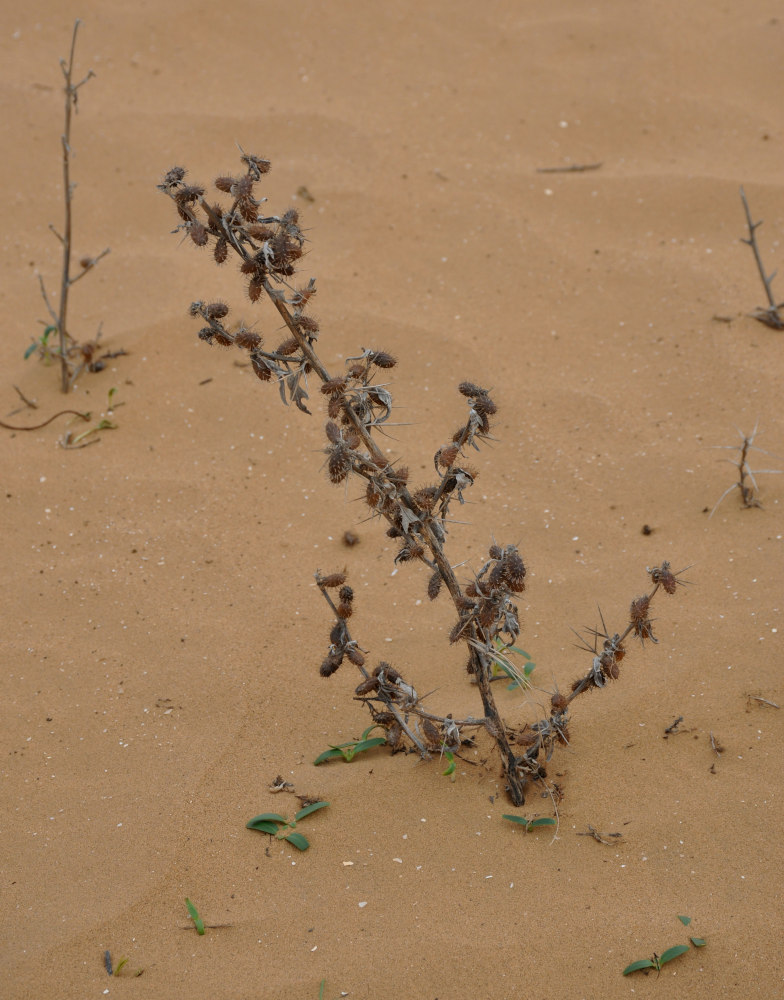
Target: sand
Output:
{"points": [[162, 631]]}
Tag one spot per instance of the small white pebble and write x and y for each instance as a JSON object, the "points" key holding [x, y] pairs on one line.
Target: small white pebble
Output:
{"points": [[364, 903], [346, 864], [399, 860]]}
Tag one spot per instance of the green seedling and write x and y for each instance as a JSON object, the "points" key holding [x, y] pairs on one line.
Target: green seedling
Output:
{"points": [[40, 345], [503, 665], [450, 767], [348, 751], [194, 913], [123, 961], [529, 824], [657, 961], [281, 828]]}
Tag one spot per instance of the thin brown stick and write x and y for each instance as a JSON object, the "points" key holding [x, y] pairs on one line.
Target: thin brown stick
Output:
{"points": [[574, 168], [770, 316], [35, 427]]}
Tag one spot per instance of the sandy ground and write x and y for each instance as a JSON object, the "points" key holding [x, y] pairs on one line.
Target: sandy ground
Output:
{"points": [[162, 633]]}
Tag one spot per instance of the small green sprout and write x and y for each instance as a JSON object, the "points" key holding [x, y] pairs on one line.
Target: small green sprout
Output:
{"points": [[194, 913], [450, 767], [348, 751], [281, 828], [530, 824], [123, 961], [503, 665], [41, 345], [657, 961]]}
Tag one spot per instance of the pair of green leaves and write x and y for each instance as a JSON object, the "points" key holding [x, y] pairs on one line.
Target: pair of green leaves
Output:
{"points": [[530, 824], [502, 663], [348, 751], [666, 956], [281, 828]]}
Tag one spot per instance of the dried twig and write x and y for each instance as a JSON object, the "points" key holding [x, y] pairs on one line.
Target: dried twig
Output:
{"points": [[67, 343], [770, 316], [749, 493], [593, 832], [574, 168], [35, 427]]}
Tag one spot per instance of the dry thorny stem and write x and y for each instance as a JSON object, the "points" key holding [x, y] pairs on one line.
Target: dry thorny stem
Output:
{"points": [[770, 316], [747, 484], [268, 247], [74, 356]]}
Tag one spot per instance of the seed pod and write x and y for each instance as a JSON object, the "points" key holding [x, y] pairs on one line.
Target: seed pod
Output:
{"points": [[338, 464], [198, 234], [558, 702], [344, 610], [471, 390], [332, 580], [224, 184], [458, 630], [495, 552], [514, 570], [330, 665], [447, 456], [221, 250], [215, 310], [346, 594], [333, 386], [367, 686], [308, 324], [246, 339], [382, 359], [432, 735], [434, 585], [260, 369], [288, 347], [255, 288], [484, 406], [355, 656]]}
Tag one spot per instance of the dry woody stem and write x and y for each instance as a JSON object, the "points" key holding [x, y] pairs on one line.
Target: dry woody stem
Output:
{"points": [[74, 357], [358, 404]]}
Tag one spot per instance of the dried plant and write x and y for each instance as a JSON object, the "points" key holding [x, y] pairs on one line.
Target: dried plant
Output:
{"points": [[358, 405], [74, 356], [747, 483], [770, 316]]}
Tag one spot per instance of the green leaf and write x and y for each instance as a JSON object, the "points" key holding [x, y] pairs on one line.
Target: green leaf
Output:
{"points": [[684, 920], [369, 729], [644, 963], [195, 916], [298, 841], [698, 942], [517, 819], [264, 827], [31, 349], [309, 809], [265, 818], [672, 953], [329, 755], [375, 741], [529, 824], [529, 668], [123, 961], [450, 768], [520, 652]]}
